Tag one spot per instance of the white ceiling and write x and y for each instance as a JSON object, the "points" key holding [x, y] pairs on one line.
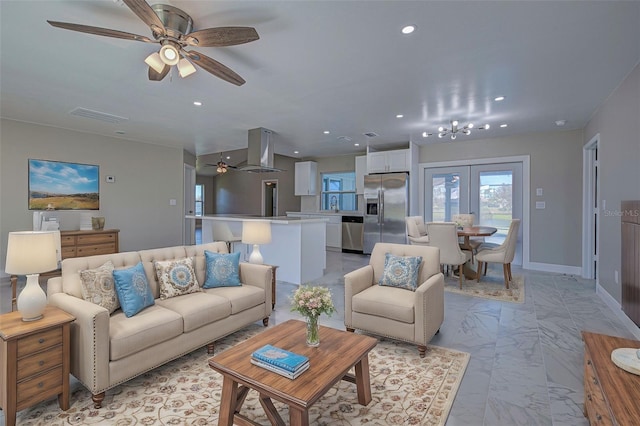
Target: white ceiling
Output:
{"points": [[341, 66]]}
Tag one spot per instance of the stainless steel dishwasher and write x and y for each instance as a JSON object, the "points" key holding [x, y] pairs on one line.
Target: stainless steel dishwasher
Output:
{"points": [[352, 232]]}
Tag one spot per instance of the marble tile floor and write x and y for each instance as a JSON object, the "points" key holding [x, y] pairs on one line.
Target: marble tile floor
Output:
{"points": [[526, 359]]}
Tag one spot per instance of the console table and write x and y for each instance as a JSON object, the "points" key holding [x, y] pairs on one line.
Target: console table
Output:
{"points": [[78, 244], [610, 393]]}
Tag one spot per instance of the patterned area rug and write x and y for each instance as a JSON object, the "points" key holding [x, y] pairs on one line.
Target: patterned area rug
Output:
{"points": [[491, 286], [406, 389]]}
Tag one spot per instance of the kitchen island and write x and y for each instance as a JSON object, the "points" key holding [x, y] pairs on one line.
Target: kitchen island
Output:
{"points": [[297, 244]]}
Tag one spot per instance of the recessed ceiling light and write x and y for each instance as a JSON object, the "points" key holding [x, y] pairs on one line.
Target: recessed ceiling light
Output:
{"points": [[503, 125], [499, 98], [408, 29], [119, 132], [197, 103], [296, 152], [228, 157], [356, 144], [561, 123], [399, 116], [326, 132]]}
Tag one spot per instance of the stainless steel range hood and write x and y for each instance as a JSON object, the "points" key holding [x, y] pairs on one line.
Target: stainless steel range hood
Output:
{"points": [[260, 152]]}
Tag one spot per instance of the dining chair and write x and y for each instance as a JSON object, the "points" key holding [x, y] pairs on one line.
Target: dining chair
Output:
{"points": [[467, 220], [504, 254], [444, 235], [416, 231], [222, 232]]}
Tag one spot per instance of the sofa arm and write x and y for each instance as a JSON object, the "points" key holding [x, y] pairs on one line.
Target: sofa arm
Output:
{"points": [[429, 308], [260, 276], [54, 285], [89, 340], [355, 282]]}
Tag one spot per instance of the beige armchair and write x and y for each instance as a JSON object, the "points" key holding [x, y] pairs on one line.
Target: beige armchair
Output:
{"points": [[416, 231], [504, 253], [410, 316], [445, 236]]}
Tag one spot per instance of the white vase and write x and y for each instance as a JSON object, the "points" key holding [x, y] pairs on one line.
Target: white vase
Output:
{"points": [[32, 299]]}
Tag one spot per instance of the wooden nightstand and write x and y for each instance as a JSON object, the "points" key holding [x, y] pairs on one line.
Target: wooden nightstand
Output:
{"points": [[34, 361]]}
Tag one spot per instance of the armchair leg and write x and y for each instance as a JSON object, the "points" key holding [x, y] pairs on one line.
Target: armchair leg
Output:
{"points": [[505, 270], [479, 270], [210, 348], [422, 350], [97, 400], [509, 267], [350, 330], [461, 274], [265, 321], [485, 268]]}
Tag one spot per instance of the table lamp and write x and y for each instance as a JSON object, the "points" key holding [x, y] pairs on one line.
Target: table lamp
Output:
{"points": [[30, 253], [256, 232]]}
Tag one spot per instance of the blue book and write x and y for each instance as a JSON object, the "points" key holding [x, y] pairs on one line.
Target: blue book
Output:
{"points": [[280, 371], [280, 358]]}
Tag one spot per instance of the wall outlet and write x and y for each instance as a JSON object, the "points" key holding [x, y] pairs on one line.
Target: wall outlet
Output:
{"points": [[173, 202], [539, 192], [540, 205], [110, 179], [615, 276]]}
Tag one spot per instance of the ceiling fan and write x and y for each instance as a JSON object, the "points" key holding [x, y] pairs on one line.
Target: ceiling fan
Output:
{"points": [[171, 28], [221, 166]]}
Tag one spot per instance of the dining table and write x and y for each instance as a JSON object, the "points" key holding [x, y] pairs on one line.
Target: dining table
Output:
{"points": [[473, 231]]}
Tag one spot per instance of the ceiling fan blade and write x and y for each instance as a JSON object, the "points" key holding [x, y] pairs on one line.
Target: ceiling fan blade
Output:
{"points": [[222, 36], [100, 31], [215, 67], [157, 76], [146, 13]]}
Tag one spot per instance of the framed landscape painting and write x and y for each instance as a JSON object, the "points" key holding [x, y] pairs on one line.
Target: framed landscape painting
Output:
{"points": [[57, 185]]}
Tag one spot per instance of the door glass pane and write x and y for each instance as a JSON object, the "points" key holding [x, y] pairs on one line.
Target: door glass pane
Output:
{"points": [[446, 196], [496, 202]]}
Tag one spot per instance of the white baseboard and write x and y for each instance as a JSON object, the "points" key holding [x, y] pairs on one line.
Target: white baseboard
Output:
{"points": [[558, 269], [617, 309]]}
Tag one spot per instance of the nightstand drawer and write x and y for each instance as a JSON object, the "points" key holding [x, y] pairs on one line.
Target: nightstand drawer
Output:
{"points": [[42, 361], [39, 341], [97, 249], [39, 388], [97, 238]]}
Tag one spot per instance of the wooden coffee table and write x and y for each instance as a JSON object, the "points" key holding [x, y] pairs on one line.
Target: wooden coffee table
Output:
{"points": [[330, 362]]}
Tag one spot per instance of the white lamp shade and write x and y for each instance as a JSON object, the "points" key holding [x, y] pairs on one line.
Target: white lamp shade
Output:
{"points": [[169, 54], [256, 232], [185, 68], [155, 62], [31, 252]]}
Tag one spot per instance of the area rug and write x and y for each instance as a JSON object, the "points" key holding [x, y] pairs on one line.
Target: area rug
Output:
{"points": [[405, 388], [490, 286]]}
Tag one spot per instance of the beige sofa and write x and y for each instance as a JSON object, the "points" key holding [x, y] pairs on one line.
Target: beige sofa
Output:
{"points": [[107, 350], [411, 316]]}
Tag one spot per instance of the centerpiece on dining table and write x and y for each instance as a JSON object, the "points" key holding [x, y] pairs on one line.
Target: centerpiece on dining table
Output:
{"points": [[311, 302]]}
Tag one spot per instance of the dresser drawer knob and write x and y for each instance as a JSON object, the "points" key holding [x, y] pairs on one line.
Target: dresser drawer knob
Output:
{"points": [[41, 363], [589, 362], [598, 417], [589, 397], [41, 340], [595, 381], [41, 385]]}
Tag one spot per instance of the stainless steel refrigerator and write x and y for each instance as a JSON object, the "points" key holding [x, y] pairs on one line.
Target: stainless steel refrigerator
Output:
{"points": [[386, 198]]}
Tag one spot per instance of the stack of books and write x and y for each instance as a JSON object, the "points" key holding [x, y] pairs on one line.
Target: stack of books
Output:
{"points": [[281, 361]]}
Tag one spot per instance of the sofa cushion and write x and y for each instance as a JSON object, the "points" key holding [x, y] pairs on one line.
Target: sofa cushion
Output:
{"points": [[133, 289], [401, 271], [176, 277], [197, 253], [386, 302], [241, 298], [198, 309], [149, 257], [98, 286], [223, 270], [151, 326]]}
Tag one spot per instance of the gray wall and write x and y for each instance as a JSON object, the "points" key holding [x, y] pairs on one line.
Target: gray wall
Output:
{"points": [[241, 192], [556, 166], [146, 178], [618, 123]]}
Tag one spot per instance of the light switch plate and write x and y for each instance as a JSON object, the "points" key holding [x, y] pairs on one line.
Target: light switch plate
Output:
{"points": [[173, 202], [540, 205], [539, 192]]}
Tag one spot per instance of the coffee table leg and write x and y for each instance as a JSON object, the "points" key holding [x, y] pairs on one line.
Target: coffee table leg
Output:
{"points": [[228, 402], [298, 417], [363, 381]]}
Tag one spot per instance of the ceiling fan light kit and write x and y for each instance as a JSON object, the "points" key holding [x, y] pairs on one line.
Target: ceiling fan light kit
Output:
{"points": [[172, 28]]}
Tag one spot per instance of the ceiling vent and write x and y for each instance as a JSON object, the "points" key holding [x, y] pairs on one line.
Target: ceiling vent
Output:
{"points": [[344, 138], [97, 115], [370, 134]]}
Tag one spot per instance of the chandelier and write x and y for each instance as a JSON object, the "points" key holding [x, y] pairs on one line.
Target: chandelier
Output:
{"points": [[454, 130]]}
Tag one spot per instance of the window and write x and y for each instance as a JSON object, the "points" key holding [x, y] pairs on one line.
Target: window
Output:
{"points": [[339, 191], [199, 200]]}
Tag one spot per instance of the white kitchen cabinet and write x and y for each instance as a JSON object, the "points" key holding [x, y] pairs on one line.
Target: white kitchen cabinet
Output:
{"points": [[334, 235], [305, 178], [361, 171], [398, 160]]}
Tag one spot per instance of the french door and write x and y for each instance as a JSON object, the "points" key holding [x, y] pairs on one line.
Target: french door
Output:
{"points": [[493, 192]]}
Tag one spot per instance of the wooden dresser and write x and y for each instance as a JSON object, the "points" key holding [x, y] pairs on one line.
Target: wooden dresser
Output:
{"points": [[611, 394], [34, 361], [89, 243], [630, 262]]}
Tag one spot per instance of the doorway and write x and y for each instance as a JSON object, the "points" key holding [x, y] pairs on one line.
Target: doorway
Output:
{"points": [[189, 225], [270, 197], [590, 208]]}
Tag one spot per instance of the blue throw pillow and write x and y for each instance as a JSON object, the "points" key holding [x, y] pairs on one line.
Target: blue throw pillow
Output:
{"points": [[223, 270], [401, 272], [133, 289]]}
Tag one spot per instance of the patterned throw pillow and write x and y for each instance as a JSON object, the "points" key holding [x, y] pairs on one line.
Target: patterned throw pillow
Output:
{"points": [[223, 270], [133, 289], [176, 277], [401, 272], [98, 287]]}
